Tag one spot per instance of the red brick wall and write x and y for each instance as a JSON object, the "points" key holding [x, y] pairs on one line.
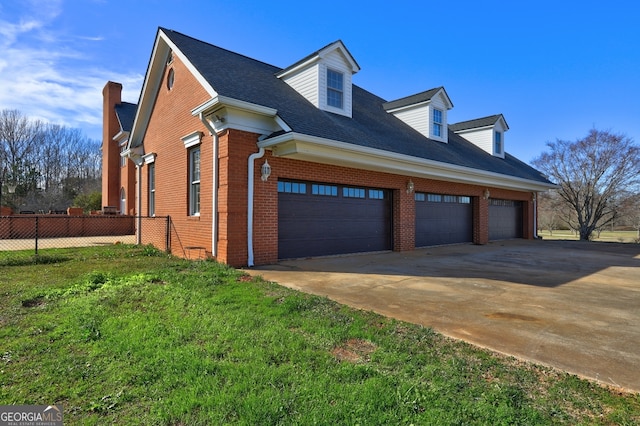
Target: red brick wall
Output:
{"points": [[171, 120], [266, 202]]}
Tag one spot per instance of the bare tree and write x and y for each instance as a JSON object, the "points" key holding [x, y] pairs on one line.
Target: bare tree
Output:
{"points": [[549, 213], [49, 164], [591, 173], [630, 212], [19, 139]]}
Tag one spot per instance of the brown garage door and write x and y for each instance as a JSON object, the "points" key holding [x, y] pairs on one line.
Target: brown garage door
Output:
{"points": [[505, 219], [443, 219], [316, 219]]}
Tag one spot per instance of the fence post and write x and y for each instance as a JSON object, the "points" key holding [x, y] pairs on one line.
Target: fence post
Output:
{"points": [[36, 235], [168, 235]]}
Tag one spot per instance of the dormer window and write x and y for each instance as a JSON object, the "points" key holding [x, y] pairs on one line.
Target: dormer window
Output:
{"points": [[335, 88], [437, 123], [487, 133], [497, 143], [425, 112], [325, 78]]}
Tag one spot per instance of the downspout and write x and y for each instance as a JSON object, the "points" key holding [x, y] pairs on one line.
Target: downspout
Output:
{"points": [[139, 206], [252, 158], [214, 225], [535, 215], [135, 155]]}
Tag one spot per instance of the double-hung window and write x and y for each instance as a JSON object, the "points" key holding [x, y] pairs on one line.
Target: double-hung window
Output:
{"points": [[437, 123], [335, 88], [497, 142], [152, 189], [194, 181]]}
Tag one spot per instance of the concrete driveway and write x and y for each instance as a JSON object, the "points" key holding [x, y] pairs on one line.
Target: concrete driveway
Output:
{"points": [[571, 305]]}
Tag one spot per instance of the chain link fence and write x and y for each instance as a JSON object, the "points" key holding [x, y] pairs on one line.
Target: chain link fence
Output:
{"points": [[34, 232]]}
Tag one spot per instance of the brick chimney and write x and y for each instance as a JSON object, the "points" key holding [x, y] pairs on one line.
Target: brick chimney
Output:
{"points": [[111, 96]]}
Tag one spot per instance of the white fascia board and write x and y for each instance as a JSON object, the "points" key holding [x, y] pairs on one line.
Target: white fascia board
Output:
{"points": [[339, 45], [225, 112], [504, 122], [192, 69], [219, 101], [311, 148], [446, 97], [122, 137], [153, 81]]}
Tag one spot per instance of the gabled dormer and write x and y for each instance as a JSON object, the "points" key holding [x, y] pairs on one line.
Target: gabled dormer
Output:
{"points": [[426, 112], [324, 78], [486, 133]]}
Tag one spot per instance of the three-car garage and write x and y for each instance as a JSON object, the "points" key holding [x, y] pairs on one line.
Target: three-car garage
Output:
{"points": [[319, 219]]}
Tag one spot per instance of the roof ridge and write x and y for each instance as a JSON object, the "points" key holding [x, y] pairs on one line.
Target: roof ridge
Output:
{"points": [[478, 119], [166, 30]]}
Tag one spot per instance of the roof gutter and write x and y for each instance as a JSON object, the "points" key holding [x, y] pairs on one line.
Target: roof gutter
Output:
{"points": [[312, 148]]}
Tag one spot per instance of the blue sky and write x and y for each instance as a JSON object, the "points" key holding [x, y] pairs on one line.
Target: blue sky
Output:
{"points": [[554, 69]]}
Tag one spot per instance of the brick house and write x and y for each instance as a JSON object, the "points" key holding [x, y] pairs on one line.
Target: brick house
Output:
{"points": [[255, 163]]}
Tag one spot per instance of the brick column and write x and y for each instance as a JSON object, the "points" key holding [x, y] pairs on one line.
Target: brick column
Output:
{"points": [[404, 220]]}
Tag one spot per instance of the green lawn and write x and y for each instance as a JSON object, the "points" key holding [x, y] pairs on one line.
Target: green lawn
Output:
{"points": [[127, 335], [605, 236]]}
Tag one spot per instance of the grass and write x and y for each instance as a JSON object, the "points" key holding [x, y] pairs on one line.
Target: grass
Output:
{"points": [[127, 335], [605, 236]]}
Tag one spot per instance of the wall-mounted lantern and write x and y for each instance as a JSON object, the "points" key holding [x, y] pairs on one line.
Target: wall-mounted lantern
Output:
{"points": [[410, 187], [266, 171], [486, 194]]}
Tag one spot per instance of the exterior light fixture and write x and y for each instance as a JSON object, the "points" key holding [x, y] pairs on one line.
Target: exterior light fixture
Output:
{"points": [[11, 187], [266, 171], [410, 186], [486, 194]]}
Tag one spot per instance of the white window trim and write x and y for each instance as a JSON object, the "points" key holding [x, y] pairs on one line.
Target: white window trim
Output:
{"points": [[151, 196], [192, 182], [435, 124], [149, 158], [340, 91], [498, 143], [192, 139]]}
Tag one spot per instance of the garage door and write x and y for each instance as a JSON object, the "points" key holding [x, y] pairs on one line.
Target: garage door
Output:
{"points": [[443, 219], [505, 219], [316, 219]]}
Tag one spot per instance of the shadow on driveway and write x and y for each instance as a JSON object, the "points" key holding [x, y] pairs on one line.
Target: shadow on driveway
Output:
{"points": [[569, 304]]}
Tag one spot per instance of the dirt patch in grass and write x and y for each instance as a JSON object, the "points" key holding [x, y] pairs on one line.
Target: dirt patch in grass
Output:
{"points": [[354, 350], [33, 303]]}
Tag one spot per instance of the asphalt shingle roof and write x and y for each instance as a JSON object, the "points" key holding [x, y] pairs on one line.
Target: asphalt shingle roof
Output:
{"points": [[240, 77], [411, 100], [478, 122], [126, 113]]}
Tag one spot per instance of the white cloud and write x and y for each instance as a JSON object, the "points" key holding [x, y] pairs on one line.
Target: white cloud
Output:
{"points": [[50, 79]]}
